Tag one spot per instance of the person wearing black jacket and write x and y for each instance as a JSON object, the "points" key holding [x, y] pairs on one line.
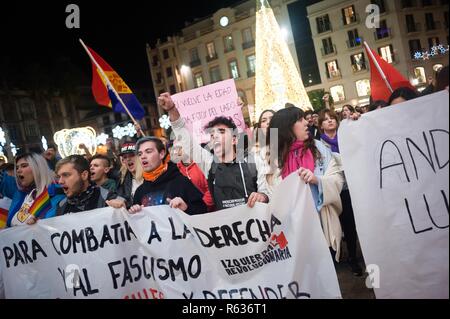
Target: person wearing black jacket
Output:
{"points": [[163, 182], [82, 195]]}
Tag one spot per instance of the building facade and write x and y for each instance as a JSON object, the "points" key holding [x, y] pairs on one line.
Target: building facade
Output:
{"points": [[26, 118], [217, 48], [339, 28]]}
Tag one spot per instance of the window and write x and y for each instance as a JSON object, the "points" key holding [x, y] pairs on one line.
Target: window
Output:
{"points": [[215, 74], [429, 21], [414, 46], [363, 88], [433, 42], [194, 55], [387, 53], [198, 80], [26, 109], [247, 35], [353, 38], [251, 65], [234, 69], [323, 24], [383, 31], [13, 133], [349, 15], [31, 130], [380, 4], [338, 94], [229, 46], [118, 117], [332, 70], [407, 4], [427, 3], [419, 75], [159, 78], [358, 62], [107, 120], [411, 25], [155, 60], [169, 72], [328, 46], [173, 89], [211, 50], [166, 54]]}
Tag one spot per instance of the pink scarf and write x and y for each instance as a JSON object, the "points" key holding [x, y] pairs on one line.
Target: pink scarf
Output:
{"points": [[296, 159]]}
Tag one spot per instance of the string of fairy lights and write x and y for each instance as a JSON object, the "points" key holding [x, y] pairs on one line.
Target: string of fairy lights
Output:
{"points": [[435, 51]]}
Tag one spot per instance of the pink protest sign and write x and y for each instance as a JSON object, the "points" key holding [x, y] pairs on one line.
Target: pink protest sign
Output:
{"points": [[200, 106]]}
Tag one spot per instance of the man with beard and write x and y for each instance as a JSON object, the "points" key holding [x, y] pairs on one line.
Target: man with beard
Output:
{"points": [[82, 195]]}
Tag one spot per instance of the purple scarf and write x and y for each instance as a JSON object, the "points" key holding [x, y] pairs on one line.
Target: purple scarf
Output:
{"points": [[333, 142]]}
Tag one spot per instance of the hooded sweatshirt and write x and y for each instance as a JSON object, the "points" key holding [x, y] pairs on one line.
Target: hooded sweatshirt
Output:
{"points": [[170, 184]]}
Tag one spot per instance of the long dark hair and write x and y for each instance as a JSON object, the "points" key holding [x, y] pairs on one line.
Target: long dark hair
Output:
{"points": [[264, 138], [284, 120]]}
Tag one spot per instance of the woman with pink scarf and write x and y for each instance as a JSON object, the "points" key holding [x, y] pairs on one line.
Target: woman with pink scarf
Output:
{"points": [[314, 163]]}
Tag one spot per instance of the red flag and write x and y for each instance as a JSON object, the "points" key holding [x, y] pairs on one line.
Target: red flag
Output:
{"points": [[379, 88]]}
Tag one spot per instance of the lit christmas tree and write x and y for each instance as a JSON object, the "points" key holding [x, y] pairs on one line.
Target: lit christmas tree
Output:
{"points": [[277, 79]]}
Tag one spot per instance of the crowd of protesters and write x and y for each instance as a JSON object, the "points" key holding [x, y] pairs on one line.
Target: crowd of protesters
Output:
{"points": [[197, 178]]}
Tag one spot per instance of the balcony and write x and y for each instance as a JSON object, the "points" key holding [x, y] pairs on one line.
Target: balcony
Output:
{"points": [[413, 28], [383, 34], [355, 43], [229, 49], [248, 45], [350, 21], [250, 73], [329, 51], [357, 68], [324, 28], [210, 58], [334, 75], [435, 25], [195, 63]]}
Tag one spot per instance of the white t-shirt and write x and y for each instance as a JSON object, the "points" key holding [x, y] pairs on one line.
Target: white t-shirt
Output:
{"points": [[22, 215], [135, 186]]}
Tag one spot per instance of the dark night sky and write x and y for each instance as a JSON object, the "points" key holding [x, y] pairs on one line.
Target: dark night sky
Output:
{"points": [[35, 32]]}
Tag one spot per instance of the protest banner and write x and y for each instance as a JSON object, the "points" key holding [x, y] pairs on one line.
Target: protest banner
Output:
{"points": [[199, 106], [396, 162], [268, 252]]}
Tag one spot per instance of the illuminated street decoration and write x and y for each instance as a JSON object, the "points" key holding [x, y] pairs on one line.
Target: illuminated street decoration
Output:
{"points": [[164, 122], [44, 143], [121, 131], [434, 52], [68, 141], [101, 139], [277, 78]]}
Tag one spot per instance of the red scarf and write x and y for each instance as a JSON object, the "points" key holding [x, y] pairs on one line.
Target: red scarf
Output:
{"points": [[297, 159]]}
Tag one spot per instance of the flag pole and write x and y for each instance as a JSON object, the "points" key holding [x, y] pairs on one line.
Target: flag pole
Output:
{"points": [[105, 77], [378, 67]]}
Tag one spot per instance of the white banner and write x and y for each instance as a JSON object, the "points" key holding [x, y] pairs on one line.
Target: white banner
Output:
{"points": [[396, 161], [262, 253]]}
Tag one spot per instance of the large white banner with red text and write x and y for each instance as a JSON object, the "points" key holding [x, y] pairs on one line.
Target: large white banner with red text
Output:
{"points": [[261, 253]]}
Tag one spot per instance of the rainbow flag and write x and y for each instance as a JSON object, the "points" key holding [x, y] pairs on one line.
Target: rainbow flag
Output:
{"points": [[4, 207], [41, 205], [104, 94]]}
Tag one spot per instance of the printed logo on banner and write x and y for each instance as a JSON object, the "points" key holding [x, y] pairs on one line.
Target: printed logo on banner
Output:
{"points": [[277, 250]]}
